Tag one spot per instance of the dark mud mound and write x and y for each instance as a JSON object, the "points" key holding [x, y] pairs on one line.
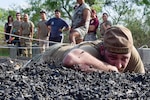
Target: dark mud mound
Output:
{"points": [[52, 81]]}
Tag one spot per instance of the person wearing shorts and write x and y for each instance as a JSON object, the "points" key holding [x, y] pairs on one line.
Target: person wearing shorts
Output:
{"points": [[27, 31], [80, 22]]}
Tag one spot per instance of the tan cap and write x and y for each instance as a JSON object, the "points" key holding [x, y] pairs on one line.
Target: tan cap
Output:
{"points": [[118, 39]]}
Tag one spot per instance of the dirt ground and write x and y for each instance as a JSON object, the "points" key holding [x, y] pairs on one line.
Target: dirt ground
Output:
{"points": [[50, 81]]}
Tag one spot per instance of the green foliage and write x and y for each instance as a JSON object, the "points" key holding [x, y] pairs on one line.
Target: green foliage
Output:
{"points": [[4, 52], [1, 35], [126, 14], [3, 15], [90, 2], [121, 12], [139, 35], [142, 2], [147, 2], [12, 13], [97, 5]]}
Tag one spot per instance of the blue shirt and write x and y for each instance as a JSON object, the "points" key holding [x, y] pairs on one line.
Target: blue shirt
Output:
{"points": [[56, 24]]}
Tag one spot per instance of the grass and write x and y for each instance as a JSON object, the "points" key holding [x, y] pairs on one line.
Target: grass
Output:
{"points": [[3, 51]]}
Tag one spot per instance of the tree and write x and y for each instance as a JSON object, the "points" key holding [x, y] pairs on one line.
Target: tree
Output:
{"points": [[125, 12], [146, 13], [5, 13]]}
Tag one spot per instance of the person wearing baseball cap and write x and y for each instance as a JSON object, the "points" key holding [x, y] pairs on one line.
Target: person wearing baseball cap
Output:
{"points": [[43, 32], [115, 53], [43, 11]]}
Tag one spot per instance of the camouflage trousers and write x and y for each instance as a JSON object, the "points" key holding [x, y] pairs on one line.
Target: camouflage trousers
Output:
{"points": [[27, 50]]}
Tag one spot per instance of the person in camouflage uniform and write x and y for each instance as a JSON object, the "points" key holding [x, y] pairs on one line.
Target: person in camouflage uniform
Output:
{"points": [[27, 30]]}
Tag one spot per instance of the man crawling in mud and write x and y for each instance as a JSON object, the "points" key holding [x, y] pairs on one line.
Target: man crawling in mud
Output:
{"points": [[115, 53]]}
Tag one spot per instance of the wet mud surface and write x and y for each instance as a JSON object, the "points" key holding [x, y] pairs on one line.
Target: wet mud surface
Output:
{"points": [[44, 81]]}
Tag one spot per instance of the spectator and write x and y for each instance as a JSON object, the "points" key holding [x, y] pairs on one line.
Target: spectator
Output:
{"points": [[16, 31], [7, 28], [57, 27], [80, 22], [27, 30], [105, 24], [43, 32], [94, 22]]}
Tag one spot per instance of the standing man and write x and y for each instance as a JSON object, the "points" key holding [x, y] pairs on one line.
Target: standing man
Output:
{"points": [[16, 31], [80, 22], [57, 27], [43, 32], [105, 24], [94, 22], [27, 30]]}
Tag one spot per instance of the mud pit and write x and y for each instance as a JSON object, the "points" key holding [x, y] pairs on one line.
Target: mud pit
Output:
{"points": [[53, 81]]}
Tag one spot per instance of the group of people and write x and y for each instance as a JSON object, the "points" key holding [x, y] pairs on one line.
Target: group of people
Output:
{"points": [[115, 52], [84, 28], [85, 23], [20, 27]]}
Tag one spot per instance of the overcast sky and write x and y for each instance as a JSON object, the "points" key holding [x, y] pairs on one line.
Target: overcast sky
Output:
{"points": [[8, 4]]}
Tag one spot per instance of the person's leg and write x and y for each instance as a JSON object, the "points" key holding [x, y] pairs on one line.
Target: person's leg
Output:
{"points": [[29, 48], [46, 43], [54, 40], [16, 42], [90, 37], [23, 44], [7, 38], [51, 39], [42, 46], [58, 39], [74, 37], [79, 41], [19, 50]]}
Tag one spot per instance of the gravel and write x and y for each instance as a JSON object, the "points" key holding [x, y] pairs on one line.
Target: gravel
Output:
{"points": [[46, 81]]}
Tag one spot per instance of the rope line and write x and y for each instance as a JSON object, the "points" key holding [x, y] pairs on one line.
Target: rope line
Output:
{"points": [[29, 38], [33, 46], [13, 46]]}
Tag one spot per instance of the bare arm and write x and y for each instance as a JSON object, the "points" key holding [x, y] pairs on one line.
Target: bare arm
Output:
{"points": [[32, 31], [49, 30], [64, 29], [11, 29], [86, 17], [38, 32], [106, 26], [82, 58], [20, 31]]}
